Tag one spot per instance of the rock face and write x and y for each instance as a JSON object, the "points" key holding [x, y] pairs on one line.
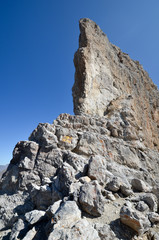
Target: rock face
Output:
{"points": [[2, 169], [92, 175], [108, 81]]}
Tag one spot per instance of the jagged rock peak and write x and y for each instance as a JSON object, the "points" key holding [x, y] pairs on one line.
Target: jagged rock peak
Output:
{"points": [[108, 81]]}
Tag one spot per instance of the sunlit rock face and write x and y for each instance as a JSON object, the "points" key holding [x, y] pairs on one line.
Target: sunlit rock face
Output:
{"points": [[108, 81]]}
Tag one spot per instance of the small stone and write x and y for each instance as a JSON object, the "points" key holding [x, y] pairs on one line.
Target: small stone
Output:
{"points": [[126, 190], [53, 208], [85, 179], [142, 206], [34, 216], [153, 217], [114, 184]]}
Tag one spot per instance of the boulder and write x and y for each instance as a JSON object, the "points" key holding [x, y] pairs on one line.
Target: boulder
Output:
{"points": [[67, 214], [78, 231], [114, 184], [97, 169], [67, 138], [134, 219], [44, 135], [105, 232], [79, 163], [91, 199], [139, 185], [142, 206]]}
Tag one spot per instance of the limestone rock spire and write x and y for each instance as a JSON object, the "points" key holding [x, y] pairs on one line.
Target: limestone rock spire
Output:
{"points": [[106, 80]]}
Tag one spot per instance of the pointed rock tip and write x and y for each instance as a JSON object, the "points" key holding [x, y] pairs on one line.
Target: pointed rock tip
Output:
{"points": [[89, 27], [86, 21]]}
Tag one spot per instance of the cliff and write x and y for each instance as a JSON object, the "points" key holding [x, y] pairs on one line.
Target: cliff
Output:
{"points": [[108, 80], [94, 175]]}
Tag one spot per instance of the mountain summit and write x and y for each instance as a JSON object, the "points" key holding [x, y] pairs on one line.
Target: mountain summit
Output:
{"points": [[93, 175]]}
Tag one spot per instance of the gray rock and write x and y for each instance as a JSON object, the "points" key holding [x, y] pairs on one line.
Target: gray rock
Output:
{"points": [[79, 163], [47, 162], [91, 199], [65, 177], [97, 169], [74, 190], [44, 135], [17, 227], [24, 156], [126, 190], [134, 219], [105, 232], [67, 214], [142, 206], [139, 185], [114, 184], [25, 149], [128, 157], [85, 179], [149, 198], [108, 195], [13, 206], [34, 216], [52, 209], [67, 138], [153, 217], [79, 231], [89, 144], [5, 234], [30, 234], [156, 236]]}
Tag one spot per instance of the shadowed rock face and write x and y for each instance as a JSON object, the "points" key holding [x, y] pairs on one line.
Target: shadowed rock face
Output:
{"points": [[108, 80]]}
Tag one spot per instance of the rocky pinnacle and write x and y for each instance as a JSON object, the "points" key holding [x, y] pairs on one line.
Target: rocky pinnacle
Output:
{"points": [[108, 80]]}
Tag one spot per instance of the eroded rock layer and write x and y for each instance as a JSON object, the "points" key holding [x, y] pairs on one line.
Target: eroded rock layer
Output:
{"points": [[86, 177], [108, 80]]}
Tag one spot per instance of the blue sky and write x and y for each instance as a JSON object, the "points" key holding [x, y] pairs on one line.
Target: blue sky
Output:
{"points": [[38, 39]]}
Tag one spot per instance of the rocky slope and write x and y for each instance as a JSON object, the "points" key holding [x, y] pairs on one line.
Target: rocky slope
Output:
{"points": [[93, 175]]}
